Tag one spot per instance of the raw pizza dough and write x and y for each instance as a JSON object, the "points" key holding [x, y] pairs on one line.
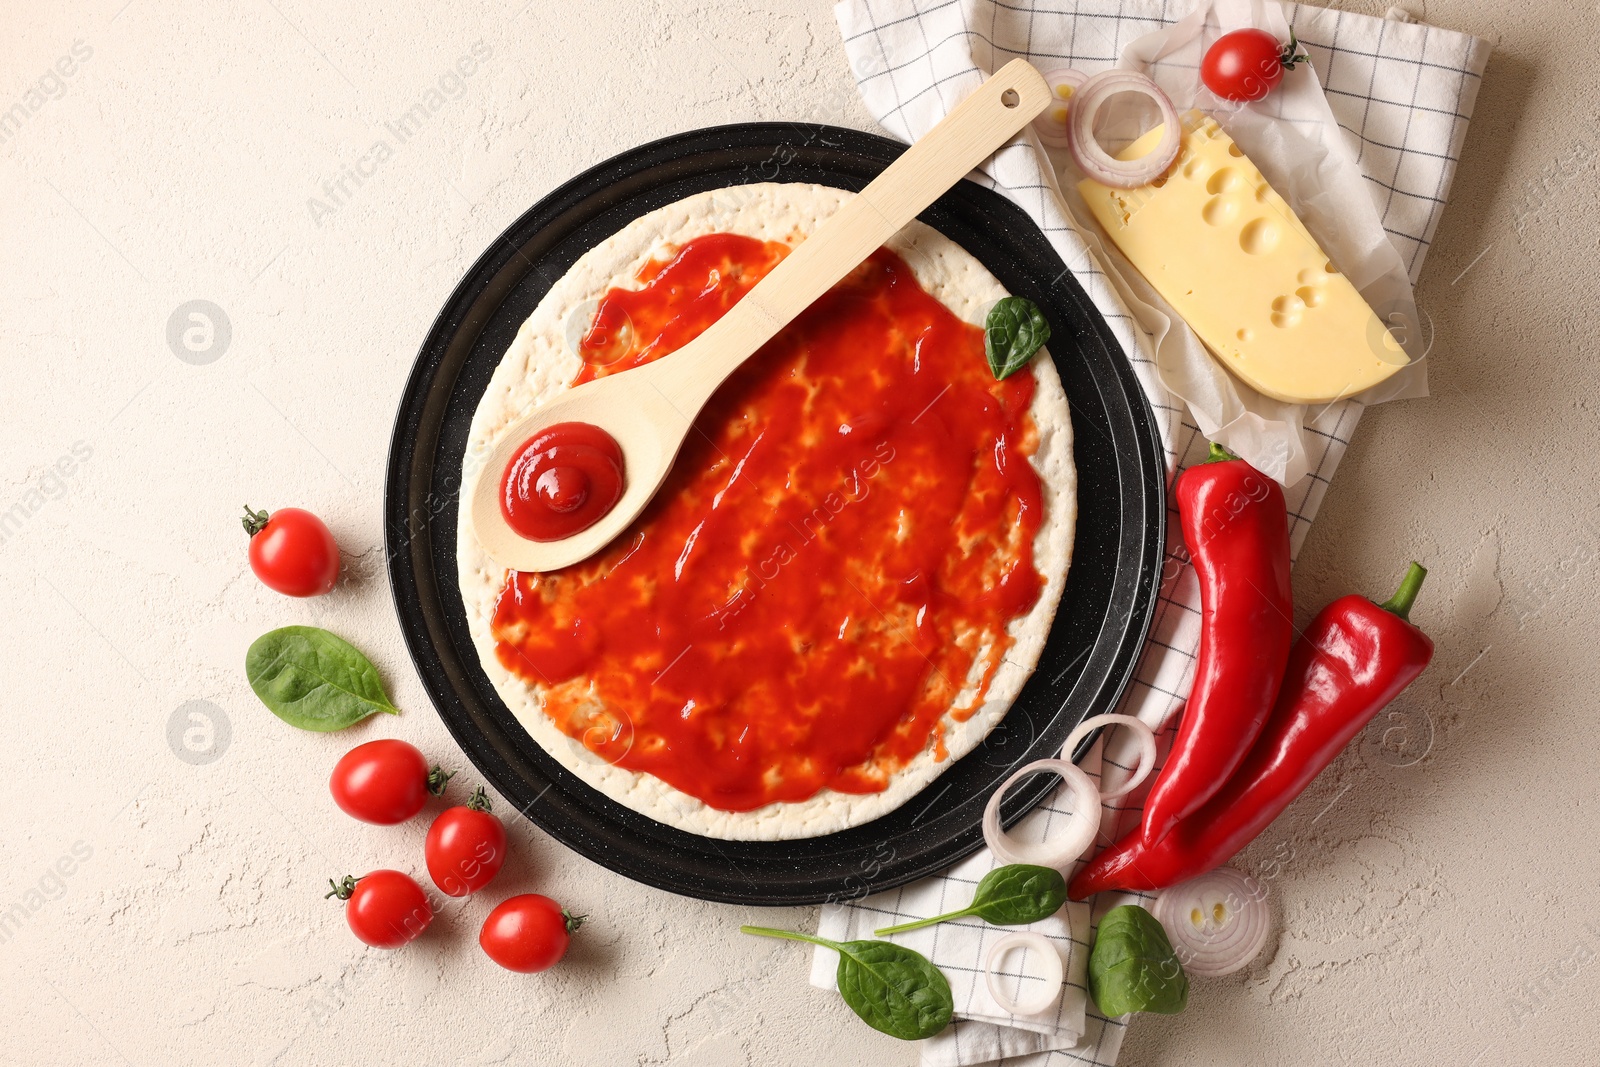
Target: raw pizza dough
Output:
{"points": [[542, 361]]}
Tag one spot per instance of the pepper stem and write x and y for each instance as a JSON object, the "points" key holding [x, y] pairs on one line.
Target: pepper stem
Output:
{"points": [[1218, 454], [789, 935], [920, 923], [1406, 595]]}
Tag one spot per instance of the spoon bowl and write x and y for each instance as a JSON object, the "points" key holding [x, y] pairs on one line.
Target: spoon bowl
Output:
{"points": [[647, 425]]}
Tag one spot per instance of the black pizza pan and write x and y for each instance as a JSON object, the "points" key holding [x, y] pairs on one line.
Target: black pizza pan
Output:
{"points": [[1093, 645]]}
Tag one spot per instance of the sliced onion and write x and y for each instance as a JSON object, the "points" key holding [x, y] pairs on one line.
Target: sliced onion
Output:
{"points": [[1051, 125], [1050, 974], [1218, 922], [1147, 750], [1095, 161], [1063, 848]]}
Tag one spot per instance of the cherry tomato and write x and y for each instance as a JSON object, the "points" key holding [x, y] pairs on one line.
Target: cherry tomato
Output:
{"points": [[384, 782], [292, 551], [528, 933], [385, 909], [1247, 64], [466, 847]]}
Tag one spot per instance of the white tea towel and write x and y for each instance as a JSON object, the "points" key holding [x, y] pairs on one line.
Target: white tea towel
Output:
{"points": [[1403, 93]]}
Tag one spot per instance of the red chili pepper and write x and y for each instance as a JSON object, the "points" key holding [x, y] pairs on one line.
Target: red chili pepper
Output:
{"points": [[1237, 529], [1354, 658]]}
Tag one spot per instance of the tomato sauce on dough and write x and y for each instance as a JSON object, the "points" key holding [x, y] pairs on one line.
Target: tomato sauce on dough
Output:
{"points": [[829, 569]]}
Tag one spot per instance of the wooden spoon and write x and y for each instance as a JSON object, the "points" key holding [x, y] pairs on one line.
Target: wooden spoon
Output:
{"points": [[649, 409]]}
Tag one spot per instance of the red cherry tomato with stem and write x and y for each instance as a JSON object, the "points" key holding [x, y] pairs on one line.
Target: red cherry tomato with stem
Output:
{"points": [[1248, 64], [466, 847], [528, 933], [385, 909], [385, 781], [292, 551]]}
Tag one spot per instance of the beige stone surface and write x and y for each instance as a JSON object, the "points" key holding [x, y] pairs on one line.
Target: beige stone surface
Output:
{"points": [[1434, 886]]}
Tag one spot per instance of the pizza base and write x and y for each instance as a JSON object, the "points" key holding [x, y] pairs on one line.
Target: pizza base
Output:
{"points": [[542, 361]]}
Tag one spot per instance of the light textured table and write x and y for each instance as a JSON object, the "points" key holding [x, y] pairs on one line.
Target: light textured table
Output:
{"points": [[1433, 885]]}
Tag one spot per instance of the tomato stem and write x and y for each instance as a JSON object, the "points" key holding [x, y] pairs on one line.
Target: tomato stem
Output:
{"points": [[342, 888], [437, 777], [254, 521], [479, 800], [572, 921], [1292, 54]]}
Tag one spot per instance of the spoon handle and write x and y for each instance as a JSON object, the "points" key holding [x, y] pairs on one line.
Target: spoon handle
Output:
{"points": [[972, 131]]}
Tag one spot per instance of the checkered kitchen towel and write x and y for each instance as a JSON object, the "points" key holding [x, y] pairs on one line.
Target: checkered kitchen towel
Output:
{"points": [[1402, 93]]}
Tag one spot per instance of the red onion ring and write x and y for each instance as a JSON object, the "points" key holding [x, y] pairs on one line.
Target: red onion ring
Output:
{"points": [[1051, 974], [1095, 161], [1065, 847], [1147, 750], [1218, 922], [1051, 125]]}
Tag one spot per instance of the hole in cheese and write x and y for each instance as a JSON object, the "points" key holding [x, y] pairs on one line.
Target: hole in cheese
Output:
{"points": [[1219, 211], [1225, 180], [1286, 312], [1259, 236]]}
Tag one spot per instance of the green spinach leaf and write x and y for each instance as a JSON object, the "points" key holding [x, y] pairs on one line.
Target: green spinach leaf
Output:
{"points": [[313, 679], [1013, 895], [1133, 967], [1013, 332], [893, 989]]}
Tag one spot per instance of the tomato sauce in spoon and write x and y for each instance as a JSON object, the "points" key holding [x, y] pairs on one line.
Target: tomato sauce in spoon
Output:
{"points": [[563, 480]]}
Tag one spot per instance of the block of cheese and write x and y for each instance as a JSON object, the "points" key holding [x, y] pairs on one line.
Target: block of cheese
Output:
{"points": [[1232, 258]]}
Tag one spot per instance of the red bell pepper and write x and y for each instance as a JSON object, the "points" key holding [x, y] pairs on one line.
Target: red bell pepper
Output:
{"points": [[1237, 530], [1354, 658]]}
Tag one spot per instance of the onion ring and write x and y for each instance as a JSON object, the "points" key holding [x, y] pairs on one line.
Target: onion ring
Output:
{"points": [[1095, 161], [1060, 853], [1147, 749], [1051, 125], [1052, 977], [1218, 922]]}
